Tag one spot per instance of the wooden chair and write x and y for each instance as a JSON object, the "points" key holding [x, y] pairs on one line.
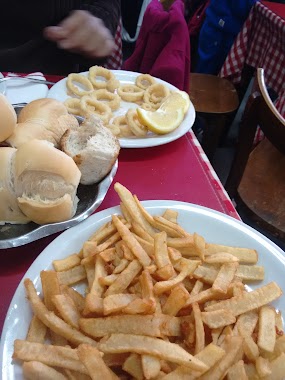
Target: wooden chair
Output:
{"points": [[215, 99], [257, 176]]}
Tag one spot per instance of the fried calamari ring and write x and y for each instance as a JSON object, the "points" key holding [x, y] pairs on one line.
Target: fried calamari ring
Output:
{"points": [[90, 105], [73, 106], [112, 100], [136, 127], [113, 84], [144, 81], [83, 81], [155, 95], [96, 72], [130, 92], [115, 129], [121, 122]]}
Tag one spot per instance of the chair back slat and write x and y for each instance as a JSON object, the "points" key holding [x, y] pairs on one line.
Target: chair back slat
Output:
{"points": [[259, 112]]}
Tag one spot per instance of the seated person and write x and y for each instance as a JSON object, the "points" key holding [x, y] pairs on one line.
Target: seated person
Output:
{"points": [[224, 20], [56, 37]]}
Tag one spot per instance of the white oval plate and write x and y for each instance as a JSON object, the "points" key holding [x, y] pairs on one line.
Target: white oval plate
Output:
{"points": [[214, 226], [58, 91], [2, 85]]}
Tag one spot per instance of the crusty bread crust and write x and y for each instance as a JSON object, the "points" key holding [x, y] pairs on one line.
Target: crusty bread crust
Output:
{"points": [[42, 119], [8, 118], [9, 208], [43, 213]]}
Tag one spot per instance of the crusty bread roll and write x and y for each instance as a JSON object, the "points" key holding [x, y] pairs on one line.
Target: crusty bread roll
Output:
{"points": [[8, 118], [42, 119], [9, 209], [46, 181], [93, 148]]}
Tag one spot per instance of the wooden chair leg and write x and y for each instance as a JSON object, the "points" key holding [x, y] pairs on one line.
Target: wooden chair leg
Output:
{"points": [[215, 126]]}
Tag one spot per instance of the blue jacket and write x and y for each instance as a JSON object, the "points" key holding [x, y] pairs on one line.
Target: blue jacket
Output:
{"points": [[224, 20]]}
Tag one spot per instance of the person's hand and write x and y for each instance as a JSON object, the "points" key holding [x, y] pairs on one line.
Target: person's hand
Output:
{"points": [[83, 33]]}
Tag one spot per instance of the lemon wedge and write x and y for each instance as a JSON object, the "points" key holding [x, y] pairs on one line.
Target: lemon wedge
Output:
{"points": [[161, 121], [178, 99]]}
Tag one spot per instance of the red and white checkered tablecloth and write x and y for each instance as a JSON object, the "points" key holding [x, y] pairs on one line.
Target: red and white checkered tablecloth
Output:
{"points": [[260, 43], [115, 61]]}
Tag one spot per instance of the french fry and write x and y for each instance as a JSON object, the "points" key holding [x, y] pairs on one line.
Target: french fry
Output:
{"points": [[77, 298], [262, 366], [116, 302], [149, 325], [150, 366], [140, 231], [140, 306], [67, 309], [108, 255], [206, 273], [200, 244], [246, 323], [51, 320], [131, 242], [54, 356], [67, 263], [172, 229], [151, 346], [249, 301], [250, 348], [221, 258], [266, 329], [133, 366], [170, 215], [122, 265], [244, 255], [277, 368], [160, 252], [131, 206], [249, 273], [187, 268], [124, 278], [176, 300], [199, 329], [233, 349], [37, 370], [94, 363], [225, 277], [237, 372], [72, 276], [37, 331], [218, 318], [210, 355], [50, 286]]}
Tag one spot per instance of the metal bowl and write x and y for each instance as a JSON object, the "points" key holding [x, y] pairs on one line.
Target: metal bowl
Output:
{"points": [[90, 198]]}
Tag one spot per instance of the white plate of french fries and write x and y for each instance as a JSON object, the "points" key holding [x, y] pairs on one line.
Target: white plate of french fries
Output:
{"points": [[150, 290], [59, 92]]}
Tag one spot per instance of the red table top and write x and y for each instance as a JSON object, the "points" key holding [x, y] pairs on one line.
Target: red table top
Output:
{"points": [[175, 171], [277, 8]]}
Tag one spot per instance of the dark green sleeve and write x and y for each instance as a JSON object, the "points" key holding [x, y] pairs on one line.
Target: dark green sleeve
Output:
{"points": [[109, 11]]}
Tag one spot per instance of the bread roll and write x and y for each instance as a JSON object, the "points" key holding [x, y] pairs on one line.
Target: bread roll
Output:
{"points": [[42, 119], [9, 209], [8, 118], [46, 182], [93, 148]]}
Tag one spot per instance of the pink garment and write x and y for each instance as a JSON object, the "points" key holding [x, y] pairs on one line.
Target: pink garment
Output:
{"points": [[163, 45]]}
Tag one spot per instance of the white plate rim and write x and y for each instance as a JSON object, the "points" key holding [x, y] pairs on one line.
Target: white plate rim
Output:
{"points": [[156, 140], [94, 221], [2, 85]]}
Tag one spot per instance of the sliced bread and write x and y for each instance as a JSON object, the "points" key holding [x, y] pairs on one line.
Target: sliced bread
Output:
{"points": [[93, 148]]}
